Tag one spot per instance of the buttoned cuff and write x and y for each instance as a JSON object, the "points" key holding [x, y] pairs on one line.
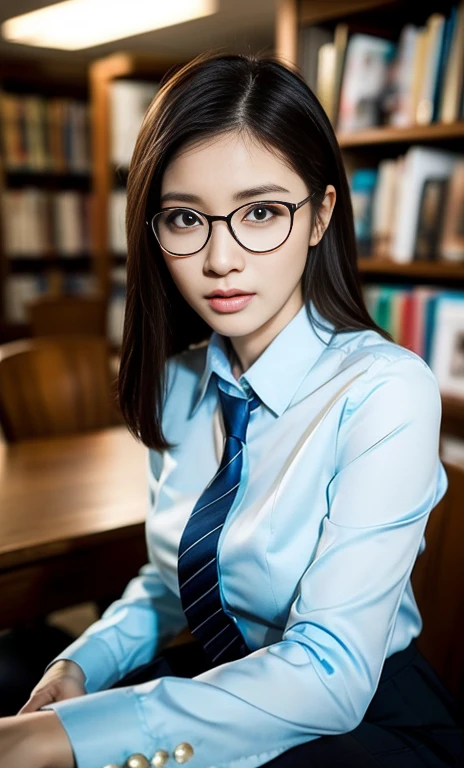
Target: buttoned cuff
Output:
{"points": [[95, 659], [104, 728]]}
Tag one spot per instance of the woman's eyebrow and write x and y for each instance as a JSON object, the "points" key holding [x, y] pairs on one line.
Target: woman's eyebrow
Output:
{"points": [[244, 194]]}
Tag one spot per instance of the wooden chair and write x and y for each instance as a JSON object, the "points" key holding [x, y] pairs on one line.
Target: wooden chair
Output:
{"points": [[50, 315], [438, 584], [55, 386], [48, 386]]}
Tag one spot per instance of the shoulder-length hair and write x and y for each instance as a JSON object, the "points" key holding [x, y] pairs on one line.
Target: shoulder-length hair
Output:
{"points": [[210, 95]]}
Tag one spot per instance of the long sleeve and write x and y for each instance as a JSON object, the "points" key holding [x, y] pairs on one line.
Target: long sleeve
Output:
{"points": [[146, 616], [320, 678], [129, 632]]}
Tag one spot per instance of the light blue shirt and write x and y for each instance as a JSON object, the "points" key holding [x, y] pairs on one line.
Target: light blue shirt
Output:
{"points": [[341, 470]]}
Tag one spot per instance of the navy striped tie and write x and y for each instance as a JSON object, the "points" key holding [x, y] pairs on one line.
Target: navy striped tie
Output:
{"points": [[197, 567]]}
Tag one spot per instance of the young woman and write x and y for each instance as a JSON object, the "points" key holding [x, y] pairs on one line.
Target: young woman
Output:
{"points": [[293, 463]]}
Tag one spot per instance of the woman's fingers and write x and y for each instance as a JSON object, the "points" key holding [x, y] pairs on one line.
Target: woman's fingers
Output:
{"points": [[65, 689], [37, 700], [63, 680]]}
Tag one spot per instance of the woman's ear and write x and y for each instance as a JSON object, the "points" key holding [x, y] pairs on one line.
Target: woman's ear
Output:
{"points": [[323, 215]]}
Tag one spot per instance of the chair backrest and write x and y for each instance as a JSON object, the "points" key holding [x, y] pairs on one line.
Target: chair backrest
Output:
{"points": [[50, 315], [438, 584], [55, 386]]}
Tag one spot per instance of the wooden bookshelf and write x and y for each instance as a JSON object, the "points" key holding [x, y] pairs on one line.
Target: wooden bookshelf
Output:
{"points": [[364, 150], [22, 77], [366, 147], [102, 73], [105, 177]]}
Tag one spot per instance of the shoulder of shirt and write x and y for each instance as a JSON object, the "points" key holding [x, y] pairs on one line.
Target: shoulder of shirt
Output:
{"points": [[384, 361], [370, 346]]}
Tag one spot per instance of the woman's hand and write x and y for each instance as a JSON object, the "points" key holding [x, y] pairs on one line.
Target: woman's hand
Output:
{"points": [[37, 740], [64, 680]]}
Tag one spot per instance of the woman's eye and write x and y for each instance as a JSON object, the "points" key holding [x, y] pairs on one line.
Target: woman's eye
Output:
{"points": [[182, 219], [261, 213]]}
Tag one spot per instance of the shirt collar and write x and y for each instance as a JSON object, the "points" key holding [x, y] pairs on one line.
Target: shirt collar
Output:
{"points": [[278, 372]]}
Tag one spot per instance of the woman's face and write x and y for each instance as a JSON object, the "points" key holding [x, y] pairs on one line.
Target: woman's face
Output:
{"points": [[215, 172]]}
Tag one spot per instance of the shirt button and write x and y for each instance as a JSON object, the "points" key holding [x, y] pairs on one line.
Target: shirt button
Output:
{"points": [[137, 761], [160, 758], [183, 752]]}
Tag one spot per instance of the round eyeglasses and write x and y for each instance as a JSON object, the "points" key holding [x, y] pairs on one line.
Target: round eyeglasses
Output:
{"points": [[258, 227]]}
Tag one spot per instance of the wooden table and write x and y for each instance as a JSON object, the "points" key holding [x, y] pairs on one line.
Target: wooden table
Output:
{"points": [[72, 513]]}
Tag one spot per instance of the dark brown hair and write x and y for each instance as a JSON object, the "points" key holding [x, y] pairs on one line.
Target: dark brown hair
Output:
{"points": [[213, 94]]}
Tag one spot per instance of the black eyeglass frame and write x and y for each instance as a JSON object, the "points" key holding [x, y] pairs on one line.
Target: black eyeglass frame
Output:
{"points": [[292, 207]]}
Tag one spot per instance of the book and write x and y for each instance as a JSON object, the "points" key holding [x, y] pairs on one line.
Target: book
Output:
{"points": [[326, 68], [418, 68], [447, 348], [117, 234], [434, 31], [407, 312], [68, 223], [129, 101], [397, 99], [117, 305], [383, 207], [19, 291], [79, 284], [430, 219], [420, 163], [452, 450], [454, 74], [362, 186], [423, 294], [310, 40], [443, 57], [368, 59], [341, 45], [451, 244]]}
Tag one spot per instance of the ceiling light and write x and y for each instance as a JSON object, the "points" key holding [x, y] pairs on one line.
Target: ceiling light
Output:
{"points": [[76, 24]]}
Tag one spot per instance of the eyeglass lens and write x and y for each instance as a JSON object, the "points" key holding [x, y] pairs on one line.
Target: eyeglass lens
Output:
{"points": [[260, 228]]}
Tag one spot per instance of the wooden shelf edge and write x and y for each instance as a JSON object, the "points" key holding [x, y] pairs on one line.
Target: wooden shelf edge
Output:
{"points": [[426, 269], [124, 64], [41, 173], [392, 135], [310, 12]]}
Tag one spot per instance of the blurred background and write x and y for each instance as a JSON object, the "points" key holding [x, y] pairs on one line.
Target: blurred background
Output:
{"points": [[75, 80]]}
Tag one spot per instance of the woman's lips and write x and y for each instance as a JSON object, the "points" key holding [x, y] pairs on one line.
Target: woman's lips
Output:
{"points": [[231, 304]]}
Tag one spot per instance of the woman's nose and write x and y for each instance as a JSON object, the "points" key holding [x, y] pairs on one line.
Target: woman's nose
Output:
{"points": [[223, 253]]}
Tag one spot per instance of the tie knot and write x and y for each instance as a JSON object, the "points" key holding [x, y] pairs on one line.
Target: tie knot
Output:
{"points": [[236, 413]]}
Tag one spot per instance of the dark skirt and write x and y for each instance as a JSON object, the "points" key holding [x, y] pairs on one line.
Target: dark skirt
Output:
{"points": [[411, 722]]}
